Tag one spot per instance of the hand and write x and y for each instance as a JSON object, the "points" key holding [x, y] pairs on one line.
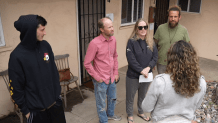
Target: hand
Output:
{"points": [[116, 78], [100, 81], [194, 121], [145, 71], [28, 115]]}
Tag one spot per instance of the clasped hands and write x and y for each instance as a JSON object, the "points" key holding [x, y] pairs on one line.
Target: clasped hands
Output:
{"points": [[145, 71]]}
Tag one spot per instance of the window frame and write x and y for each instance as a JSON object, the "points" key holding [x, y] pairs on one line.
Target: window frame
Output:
{"points": [[131, 23], [188, 7], [2, 35]]}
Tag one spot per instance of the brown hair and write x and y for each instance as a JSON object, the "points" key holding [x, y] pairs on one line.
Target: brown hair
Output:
{"points": [[182, 65], [174, 8], [101, 23], [135, 36]]}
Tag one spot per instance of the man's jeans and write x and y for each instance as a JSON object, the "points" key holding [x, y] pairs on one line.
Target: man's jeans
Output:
{"points": [[101, 90]]}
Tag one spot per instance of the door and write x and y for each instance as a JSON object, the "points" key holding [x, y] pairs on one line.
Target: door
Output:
{"points": [[161, 14], [89, 12]]}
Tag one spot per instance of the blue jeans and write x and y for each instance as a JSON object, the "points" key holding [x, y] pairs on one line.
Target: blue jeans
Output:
{"points": [[101, 90]]}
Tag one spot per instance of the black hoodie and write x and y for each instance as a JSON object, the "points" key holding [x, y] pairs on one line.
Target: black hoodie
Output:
{"points": [[33, 75]]}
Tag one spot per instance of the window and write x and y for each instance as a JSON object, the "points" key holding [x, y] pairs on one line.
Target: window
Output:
{"points": [[2, 40], [190, 5], [132, 10]]}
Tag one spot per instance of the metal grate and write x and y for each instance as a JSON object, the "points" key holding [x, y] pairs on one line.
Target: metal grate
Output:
{"points": [[90, 11], [161, 14]]}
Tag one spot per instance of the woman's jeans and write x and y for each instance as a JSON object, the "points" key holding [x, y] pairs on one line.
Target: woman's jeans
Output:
{"points": [[101, 90]]}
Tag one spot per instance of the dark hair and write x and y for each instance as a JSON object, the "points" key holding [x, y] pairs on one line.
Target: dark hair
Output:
{"points": [[101, 23], [41, 20], [183, 67], [174, 8]]}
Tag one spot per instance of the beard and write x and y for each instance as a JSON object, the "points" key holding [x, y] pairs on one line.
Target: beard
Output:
{"points": [[172, 25], [109, 34]]}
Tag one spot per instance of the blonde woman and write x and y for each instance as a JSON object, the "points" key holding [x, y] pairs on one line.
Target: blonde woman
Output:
{"points": [[142, 55], [174, 96]]}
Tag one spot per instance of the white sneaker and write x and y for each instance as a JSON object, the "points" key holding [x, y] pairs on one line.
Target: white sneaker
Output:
{"points": [[115, 117]]}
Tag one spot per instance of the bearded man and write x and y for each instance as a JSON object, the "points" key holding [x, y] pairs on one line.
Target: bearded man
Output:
{"points": [[104, 70], [168, 34]]}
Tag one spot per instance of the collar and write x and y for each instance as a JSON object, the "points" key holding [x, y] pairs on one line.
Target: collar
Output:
{"points": [[102, 38]]}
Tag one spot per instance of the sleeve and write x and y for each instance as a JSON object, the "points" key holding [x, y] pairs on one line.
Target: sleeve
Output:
{"points": [[156, 35], [186, 36], [150, 100], [153, 62], [17, 84], [202, 96], [199, 104], [90, 55], [55, 69], [115, 60], [131, 59]]}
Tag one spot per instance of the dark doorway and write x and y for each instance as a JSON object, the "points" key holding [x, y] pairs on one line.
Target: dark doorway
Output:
{"points": [[161, 14], [89, 12]]}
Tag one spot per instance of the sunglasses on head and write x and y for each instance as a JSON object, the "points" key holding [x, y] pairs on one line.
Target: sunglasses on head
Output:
{"points": [[141, 27]]}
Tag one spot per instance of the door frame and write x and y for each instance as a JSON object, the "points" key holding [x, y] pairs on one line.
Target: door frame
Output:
{"points": [[78, 41]]}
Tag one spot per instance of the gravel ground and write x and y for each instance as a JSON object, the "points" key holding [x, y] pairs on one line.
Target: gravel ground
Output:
{"points": [[208, 111]]}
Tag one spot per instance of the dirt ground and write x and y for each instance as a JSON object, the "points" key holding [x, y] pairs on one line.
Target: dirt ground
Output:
{"points": [[73, 98]]}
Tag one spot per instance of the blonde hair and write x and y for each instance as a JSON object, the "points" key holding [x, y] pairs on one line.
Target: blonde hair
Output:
{"points": [[135, 36]]}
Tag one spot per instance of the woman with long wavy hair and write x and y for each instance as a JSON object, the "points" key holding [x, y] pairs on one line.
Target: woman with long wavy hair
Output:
{"points": [[142, 55], [174, 96]]}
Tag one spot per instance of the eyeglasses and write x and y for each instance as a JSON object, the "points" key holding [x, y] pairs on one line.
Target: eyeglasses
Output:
{"points": [[141, 27]]}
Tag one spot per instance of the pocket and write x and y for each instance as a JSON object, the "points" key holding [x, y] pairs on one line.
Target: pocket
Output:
{"points": [[58, 102], [112, 50], [30, 119], [95, 81], [99, 82], [101, 87], [45, 94]]}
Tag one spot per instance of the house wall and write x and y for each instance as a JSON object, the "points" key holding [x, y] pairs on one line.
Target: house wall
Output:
{"points": [[61, 33], [122, 33], [202, 28]]}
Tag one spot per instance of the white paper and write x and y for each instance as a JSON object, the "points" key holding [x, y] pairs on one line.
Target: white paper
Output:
{"points": [[111, 16], [143, 79], [151, 26]]}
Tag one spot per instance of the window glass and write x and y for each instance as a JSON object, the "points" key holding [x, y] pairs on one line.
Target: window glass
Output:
{"points": [[2, 40], [126, 11], [195, 6], [132, 10], [140, 8], [135, 11], [190, 5], [183, 4]]}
